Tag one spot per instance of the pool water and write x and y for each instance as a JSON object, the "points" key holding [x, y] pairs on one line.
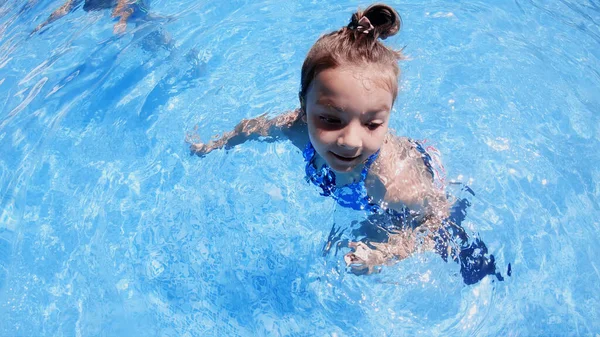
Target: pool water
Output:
{"points": [[109, 227]]}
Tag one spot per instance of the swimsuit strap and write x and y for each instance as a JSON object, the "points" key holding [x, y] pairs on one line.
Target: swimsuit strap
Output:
{"points": [[424, 155], [368, 163]]}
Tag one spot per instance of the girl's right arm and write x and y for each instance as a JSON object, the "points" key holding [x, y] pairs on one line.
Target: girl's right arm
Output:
{"points": [[288, 125]]}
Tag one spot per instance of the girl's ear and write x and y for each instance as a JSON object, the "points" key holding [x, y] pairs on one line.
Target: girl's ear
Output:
{"points": [[302, 107]]}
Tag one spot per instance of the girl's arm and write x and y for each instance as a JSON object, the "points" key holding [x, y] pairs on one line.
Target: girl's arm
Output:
{"points": [[58, 13], [366, 258], [287, 125], [407, 180], [399, 180], [123, 11], [443, 235]]}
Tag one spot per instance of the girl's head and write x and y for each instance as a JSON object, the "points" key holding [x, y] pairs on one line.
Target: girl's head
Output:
{"points": [[348, 85], [356, 44]]}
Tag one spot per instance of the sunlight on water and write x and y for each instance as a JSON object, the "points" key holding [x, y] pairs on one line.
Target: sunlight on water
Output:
{"points": [[109, 227]]}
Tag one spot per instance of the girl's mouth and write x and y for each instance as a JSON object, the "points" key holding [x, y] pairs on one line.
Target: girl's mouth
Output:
{"points": [[344, 158]]}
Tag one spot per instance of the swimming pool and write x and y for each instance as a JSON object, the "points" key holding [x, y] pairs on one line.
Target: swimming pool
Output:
{"points": [[109, 227]]}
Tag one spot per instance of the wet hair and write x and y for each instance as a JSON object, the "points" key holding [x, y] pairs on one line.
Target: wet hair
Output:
{"points": [[354, 45]]}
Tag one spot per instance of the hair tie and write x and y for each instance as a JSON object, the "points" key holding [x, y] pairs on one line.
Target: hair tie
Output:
{"points": [[364, 25]]}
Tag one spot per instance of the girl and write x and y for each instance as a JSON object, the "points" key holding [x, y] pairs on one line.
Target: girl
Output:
{"points": [[349, 83]]}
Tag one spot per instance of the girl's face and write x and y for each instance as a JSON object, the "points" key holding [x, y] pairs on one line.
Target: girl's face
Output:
{"points": [[347, 113]]}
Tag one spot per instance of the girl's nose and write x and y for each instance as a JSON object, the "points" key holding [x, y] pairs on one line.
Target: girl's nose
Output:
{"points": [[350, 137]]}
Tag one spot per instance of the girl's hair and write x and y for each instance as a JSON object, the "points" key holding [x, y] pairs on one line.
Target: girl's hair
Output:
{"points": [[358, 43]]}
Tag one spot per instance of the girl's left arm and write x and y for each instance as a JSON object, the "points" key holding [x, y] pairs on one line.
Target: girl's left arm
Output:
{"points": [[440, 231], [403, 243]]}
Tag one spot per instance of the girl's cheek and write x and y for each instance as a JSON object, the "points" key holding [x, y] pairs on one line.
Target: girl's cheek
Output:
{"points": [[315, 130], [322, 133]]}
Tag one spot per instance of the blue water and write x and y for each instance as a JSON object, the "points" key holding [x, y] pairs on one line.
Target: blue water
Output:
{"points": [[108, 227]]}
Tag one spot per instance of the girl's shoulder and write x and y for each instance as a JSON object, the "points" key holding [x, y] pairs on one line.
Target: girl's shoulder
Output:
{"points": [[401, 155], [399, 176]]}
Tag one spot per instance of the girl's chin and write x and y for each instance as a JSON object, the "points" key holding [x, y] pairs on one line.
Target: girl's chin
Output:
{"points": [[342, 169]]}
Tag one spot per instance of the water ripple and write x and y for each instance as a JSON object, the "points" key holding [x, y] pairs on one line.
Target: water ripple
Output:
{"points": [[108, 226]]}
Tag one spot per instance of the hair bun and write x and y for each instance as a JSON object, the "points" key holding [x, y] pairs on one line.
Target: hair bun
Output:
{"points": [[385, 20]]}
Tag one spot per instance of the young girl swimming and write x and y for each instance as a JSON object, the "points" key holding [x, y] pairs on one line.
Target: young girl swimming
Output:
{"points": [[349, 83]]}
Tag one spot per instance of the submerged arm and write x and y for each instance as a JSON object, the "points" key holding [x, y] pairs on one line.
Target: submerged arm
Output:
{"points": [[58, 13], [271, 129], [413, 234], [445, 236], [123, 11]]}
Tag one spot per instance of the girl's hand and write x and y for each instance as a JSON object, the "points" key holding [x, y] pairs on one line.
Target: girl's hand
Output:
{"points": [[363, 260], [120, 27], [202, 149], [199, 149]]}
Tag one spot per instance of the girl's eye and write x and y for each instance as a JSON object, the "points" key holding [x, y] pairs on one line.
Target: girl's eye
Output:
{"points": [[330, 120], [373, 126]]}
